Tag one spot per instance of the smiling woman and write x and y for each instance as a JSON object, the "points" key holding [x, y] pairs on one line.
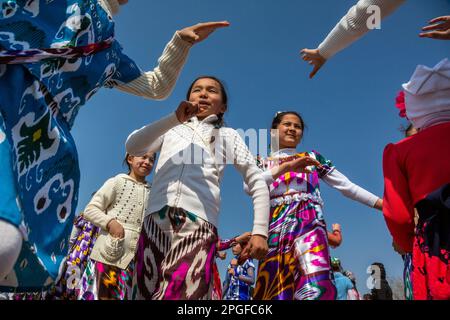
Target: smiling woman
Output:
{"points": [[297, 266]]}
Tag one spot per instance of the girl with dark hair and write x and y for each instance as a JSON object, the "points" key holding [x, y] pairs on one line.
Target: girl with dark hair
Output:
{"points": [[297, 266], [178, 241], [54, 56]]}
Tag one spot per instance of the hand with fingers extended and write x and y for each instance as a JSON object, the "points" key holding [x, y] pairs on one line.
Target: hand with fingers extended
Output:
{"points": [[438, 28], [201, 31], [314, 58], [186, 110], [257, 247], [295, 165]]}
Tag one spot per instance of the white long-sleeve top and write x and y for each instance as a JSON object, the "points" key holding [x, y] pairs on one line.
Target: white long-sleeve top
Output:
{"points": [[353, 25], [158, 83], [283, 187], [192, 159]]}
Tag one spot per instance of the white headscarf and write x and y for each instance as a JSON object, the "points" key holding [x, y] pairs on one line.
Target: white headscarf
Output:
{"points": [[427, 95]]}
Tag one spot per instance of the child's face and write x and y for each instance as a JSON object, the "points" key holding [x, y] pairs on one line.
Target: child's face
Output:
{"points": [[290, 131], [142, 166], [236, 249], [207, 94]]}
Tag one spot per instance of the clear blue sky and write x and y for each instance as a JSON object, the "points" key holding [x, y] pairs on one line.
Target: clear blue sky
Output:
{"points": [[348, 107]]}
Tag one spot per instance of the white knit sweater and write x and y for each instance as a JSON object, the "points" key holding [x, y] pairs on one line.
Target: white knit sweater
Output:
{"points": [[353, 25], [188, 172], [158, 83], [124, 199]]}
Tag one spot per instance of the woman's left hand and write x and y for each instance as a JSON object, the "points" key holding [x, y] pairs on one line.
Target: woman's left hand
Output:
{"points": [[201, 31]]}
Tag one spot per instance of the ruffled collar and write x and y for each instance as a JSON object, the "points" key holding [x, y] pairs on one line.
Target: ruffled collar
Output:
{"points": [[284, 152]]}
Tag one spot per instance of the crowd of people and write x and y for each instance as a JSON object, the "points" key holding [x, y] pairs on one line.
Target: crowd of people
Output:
{"points": [[159, 241]]}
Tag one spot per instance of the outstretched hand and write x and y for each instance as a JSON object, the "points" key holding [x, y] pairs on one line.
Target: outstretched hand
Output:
{"points": [[186, 110], [439, 28], [314, 58], [296, 165], [201, 31]]}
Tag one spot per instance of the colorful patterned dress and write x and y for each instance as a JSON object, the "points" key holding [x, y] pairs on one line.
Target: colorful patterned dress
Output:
{"points": [[38, 105], [297, 266], [69, 285], [175, 257]]}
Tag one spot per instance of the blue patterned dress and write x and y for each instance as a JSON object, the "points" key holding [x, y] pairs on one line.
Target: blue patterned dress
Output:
{"points": [[39, 101]]}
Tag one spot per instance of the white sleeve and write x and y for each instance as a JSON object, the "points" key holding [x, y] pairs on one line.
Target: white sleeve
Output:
{"points": [[340, 182], [268, 178], [150, 137], [353, 25], [96, 210], [245, 163], [159, 83]]}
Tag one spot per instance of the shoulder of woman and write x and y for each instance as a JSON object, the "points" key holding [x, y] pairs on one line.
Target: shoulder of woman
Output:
{"points": [[390, 150]]}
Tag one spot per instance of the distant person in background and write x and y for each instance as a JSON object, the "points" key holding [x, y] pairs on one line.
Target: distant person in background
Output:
{"points": [[240, 275], [352, 294], [222, 245], [343, 284], [381, 290]]}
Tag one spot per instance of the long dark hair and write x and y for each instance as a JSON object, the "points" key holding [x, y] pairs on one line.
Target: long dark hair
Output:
{"points": [[220, 122], [279, 117]]}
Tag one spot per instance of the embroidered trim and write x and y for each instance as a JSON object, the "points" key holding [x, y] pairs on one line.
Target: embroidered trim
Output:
{"points": [[297, 197]]}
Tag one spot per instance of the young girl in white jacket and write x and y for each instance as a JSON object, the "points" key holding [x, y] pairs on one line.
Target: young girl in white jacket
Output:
{"points": [[178, 239], [117, 209]]}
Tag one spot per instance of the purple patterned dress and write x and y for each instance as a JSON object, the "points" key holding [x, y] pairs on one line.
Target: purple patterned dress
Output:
{"points": [[297, 266]]}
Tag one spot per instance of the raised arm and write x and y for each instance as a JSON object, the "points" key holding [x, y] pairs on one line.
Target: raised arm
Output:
{"points": [[337, 180], [159, 83], [349, 29]]}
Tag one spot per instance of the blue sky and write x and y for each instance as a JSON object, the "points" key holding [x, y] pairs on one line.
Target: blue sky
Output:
{"points": [[348, 107]]}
